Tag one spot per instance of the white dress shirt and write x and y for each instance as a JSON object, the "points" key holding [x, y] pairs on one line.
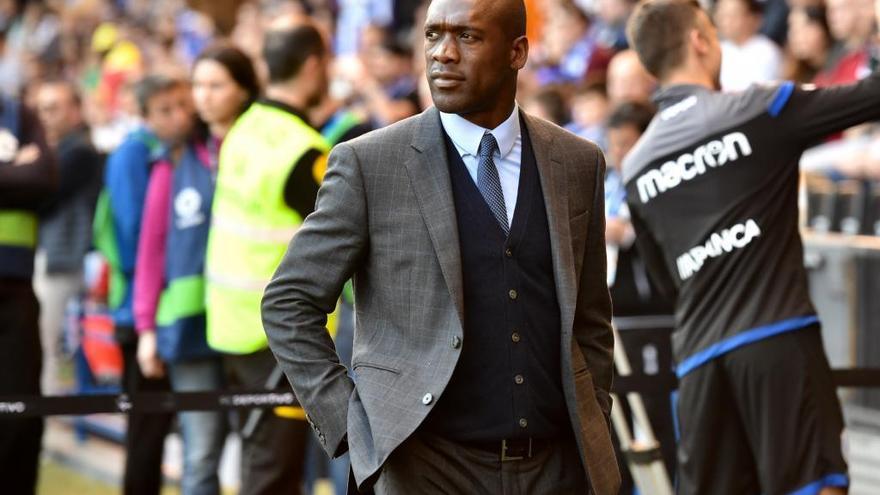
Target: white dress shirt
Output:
{"points": [[466, 137]]}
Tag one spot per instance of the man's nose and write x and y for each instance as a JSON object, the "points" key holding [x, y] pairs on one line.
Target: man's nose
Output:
{"points": [[446, 50]]}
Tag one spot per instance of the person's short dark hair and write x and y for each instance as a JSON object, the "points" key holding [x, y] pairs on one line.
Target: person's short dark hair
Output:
{"points": [[397, 47], [151, 86], [237, 64], [635, 114], [553, 103], [754, 7], [286, 50], [817, 15], [596, 89], [571, 8], [75, 95], [658, 31]]}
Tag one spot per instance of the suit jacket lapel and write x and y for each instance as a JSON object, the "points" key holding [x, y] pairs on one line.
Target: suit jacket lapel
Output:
{"points": [[429, 173], [553, 185]]}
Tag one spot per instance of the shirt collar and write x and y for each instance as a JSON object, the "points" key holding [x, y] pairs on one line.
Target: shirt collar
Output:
{"points": [[670, 95], [467, 136], [287, 108]]}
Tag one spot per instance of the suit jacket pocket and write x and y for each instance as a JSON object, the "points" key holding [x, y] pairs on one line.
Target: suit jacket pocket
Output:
{"points": [[375, 366]]}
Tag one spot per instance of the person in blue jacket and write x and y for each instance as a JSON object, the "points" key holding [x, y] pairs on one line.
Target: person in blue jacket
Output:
{"points": [[166, 108]]}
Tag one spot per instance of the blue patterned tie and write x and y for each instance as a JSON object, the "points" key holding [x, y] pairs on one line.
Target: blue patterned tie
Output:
{"points": [[489, 183]]}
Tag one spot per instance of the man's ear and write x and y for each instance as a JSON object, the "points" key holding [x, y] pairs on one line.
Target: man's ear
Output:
{"points": [[311, 64], [698, 41], [519, 53]]}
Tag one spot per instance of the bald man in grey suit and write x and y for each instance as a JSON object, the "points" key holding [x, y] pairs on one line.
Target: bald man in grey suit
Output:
{"points": [[474, 233]]}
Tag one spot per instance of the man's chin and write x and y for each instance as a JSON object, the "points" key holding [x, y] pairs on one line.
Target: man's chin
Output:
{"points": [[447, 103]]}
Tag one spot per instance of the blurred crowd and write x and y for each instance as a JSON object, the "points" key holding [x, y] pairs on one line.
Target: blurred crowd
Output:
{"points": [[99, 72]]}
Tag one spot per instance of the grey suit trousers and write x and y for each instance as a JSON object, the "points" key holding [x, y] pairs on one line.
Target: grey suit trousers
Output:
{"points": [[427, 464]]}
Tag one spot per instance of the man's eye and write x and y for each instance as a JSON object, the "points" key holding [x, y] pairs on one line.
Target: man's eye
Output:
{"points": [[466, 36], [430, 35]]}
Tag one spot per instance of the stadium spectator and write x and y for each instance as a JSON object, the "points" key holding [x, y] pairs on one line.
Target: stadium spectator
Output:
{"points": [[27, 180], [851, 23], [65, 220], [628, 80], [747, 55], [387, 89], [271, 164], [611, 17], [809, 43], [171, 256], [570, 49], [549, 104], [589, 109], [166, 107]]}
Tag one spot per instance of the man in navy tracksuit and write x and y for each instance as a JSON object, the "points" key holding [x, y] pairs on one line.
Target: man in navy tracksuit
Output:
{"points": [[712, 187]]}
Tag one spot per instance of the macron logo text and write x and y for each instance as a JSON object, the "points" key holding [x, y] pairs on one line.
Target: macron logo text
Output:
{"points": [[688, 166]]}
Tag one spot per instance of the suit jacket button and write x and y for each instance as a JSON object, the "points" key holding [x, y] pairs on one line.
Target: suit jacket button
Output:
{"points": [[456, 342], [427, 399]]}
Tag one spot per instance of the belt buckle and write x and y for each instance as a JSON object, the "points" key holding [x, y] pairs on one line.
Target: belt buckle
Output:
{"points": [[505, 457]]}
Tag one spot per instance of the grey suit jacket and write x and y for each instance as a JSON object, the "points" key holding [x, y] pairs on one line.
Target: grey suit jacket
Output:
{"points": [[385, 216]]}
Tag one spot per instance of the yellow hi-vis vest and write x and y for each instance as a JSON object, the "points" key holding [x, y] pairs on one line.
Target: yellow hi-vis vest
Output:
{"points": [[251, 225]]}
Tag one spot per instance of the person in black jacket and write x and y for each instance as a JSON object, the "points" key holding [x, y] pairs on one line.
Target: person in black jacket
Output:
{"points": [[27, 179], [712, 187], [66, 219]]}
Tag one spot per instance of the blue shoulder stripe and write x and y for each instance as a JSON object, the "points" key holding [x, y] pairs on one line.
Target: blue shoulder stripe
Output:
{"points": [[782, 95]]}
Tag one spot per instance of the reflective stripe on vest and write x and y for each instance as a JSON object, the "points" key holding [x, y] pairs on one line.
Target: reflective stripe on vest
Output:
{"points": [[182, 298], [18, 228], [265, 234], [180, 321], [251, 222], [18, 239]]}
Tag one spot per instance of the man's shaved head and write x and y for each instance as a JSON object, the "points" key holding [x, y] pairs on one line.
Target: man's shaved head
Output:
{"points": [[473, 51], [512, 14]]}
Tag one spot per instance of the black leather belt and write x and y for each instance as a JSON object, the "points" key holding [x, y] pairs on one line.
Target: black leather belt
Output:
{"points": [[515, 449]]}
